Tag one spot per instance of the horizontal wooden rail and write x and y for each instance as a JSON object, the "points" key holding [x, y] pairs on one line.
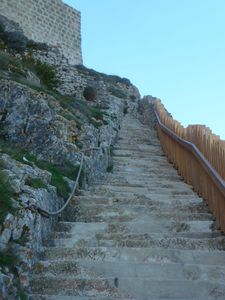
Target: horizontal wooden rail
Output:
{"points": [[192, 164]]}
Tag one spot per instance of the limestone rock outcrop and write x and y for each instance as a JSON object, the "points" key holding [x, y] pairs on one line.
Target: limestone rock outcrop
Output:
{"points": [[45, 125]]}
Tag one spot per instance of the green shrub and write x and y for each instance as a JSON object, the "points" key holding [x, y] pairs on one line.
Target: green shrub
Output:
{"points": [[58, 172], [117, 92], [10, 63], [6, 195], [97, 113], [90, 93], [125, 110], [13, 39], [36, 183], [8, 258], [16, 153], [44, 71], [109, 168]]}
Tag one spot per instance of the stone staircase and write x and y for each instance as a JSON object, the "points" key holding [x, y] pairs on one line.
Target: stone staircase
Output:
{"points": [[141, 233]]}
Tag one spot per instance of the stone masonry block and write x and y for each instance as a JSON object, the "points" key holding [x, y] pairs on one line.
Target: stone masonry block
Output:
{"points": [[45, 22]]}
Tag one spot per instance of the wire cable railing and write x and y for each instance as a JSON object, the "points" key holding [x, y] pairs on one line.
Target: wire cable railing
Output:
{"points": [[46, 213]]}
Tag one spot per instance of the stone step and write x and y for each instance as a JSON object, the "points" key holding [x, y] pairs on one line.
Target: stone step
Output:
{"points": [[142, 165], [137, 153], [140, 170], [172, 289], [150, 159], [66, 286], [173, 205], [139, 287], [87, 269], [125, 178], [63, 297], [153, 226], [146, 255], [141, 199], [167, 188], [122, 209], [139, 241], [140, 147], [118, 216], [192, 235]]}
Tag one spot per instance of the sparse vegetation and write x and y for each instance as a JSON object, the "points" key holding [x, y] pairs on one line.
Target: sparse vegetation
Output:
{"points": [[36, 183], [90, 93], [6, 195], [44, 71], [97, 113], [24, 238], [112, 79], [125, 110], [58, 173], [11, 64], [8, 258], [117, 92], [109, 168]]}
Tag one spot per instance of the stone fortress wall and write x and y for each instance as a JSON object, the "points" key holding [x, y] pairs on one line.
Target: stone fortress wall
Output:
{"points": [[48, 21]]}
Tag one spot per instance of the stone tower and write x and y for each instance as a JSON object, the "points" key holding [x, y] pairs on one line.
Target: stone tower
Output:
{"points": [[48, 21]]}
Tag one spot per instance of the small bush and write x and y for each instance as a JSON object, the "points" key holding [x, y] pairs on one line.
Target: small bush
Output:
{"points": [[8, 258], [117, 92], [10, 63], [109, 168], [6, 195], [132, 97], [36, 183], [90, 93], [125, 110], [15, 40], [97, 113], [45, 72]]}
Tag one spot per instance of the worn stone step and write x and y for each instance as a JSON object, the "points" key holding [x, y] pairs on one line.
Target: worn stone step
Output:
{"points": [[64, 285], [140, 199], [63, 297], [113, 216], [144, 166], [172, 289], [139, 287], [123, 168], [153, 226], [126, 179], [169, 189], [140, 241], [154, 147], [137, 153], [149, 270], [156, 255], [128, 213], [156, 206]]}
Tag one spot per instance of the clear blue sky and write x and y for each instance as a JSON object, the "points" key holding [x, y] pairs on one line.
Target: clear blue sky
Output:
{"points": [[171, 49]]}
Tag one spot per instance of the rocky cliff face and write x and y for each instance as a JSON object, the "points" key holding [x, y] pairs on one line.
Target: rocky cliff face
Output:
{"points": [[45, 124]]}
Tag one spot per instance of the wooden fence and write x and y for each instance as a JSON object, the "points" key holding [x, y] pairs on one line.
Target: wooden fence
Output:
{"points": [[199, 156]]}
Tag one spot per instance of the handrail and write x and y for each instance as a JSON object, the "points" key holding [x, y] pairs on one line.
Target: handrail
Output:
{"points": [[217, 179], [48, 214], [198, 155]]}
